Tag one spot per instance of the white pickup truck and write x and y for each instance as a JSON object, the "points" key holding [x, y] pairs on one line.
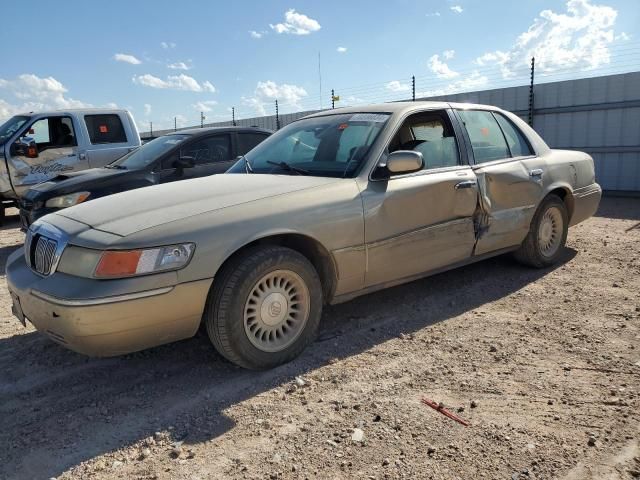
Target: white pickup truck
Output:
{"points": [[35, 147]]}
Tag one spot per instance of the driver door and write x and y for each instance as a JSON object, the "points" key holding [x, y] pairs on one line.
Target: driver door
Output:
{"points": [[55, 152], [422, 221]]}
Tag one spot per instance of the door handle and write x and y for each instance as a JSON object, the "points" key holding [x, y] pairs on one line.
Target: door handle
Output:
{"points": [[465, 184], [82, 156], [536, 172]]}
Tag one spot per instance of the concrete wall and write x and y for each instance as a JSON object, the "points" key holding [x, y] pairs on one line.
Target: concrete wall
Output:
{"points": [[599, 115]]}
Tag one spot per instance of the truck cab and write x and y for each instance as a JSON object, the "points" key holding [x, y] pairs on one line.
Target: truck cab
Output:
{"points": [[35, 147]]}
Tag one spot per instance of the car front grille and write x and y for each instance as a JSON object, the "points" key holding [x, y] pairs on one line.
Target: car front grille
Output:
{"points": [[41, 253]]}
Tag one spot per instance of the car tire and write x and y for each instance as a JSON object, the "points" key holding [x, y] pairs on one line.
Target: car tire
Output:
{"points": [[264, 307], [547, 235]]}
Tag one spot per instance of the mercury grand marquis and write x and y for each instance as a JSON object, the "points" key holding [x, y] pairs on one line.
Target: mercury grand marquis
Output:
{"points": [[335, 205]]}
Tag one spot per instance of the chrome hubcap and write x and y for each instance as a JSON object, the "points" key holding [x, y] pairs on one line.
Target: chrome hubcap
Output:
{"points": [[550, 232], [276, 310]]}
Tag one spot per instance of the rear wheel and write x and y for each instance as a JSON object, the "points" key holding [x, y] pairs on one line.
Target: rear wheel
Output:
{"points": [[547, 235], [265, 307]]}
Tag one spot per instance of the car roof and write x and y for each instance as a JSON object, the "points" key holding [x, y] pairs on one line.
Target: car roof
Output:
{"points": [[78, 111], [400, 107], [205, 130]]}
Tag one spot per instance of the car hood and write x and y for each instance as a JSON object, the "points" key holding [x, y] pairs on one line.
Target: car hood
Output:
{"points": [[136, 210], [73, 182]]}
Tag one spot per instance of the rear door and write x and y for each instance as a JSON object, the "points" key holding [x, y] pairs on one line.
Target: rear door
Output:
{"points": [[107, 139], [509, 176], [419, 222]]}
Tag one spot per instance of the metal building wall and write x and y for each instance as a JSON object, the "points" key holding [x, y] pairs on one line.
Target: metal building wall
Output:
{"points": [[598, 115]]}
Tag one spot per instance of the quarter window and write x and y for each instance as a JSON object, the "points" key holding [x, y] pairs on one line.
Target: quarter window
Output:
{"points": [[209, 150], [431, 134], [105, 129], [517, 144], [486, 137]]}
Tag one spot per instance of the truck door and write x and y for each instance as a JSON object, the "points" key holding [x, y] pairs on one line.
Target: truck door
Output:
{"points": [[46, 148], [509, 176], [107, 139]]}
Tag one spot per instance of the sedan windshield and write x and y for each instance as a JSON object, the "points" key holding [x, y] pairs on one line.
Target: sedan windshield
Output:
{"points": [[11, 126], [148, 153], [327, 146]]}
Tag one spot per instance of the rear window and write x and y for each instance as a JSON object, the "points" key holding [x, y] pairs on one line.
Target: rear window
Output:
{"points": [[105, 129]]}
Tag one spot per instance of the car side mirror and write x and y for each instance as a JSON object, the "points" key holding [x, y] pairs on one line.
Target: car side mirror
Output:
{"points": [[184, 162], [25, 147], [404, 161]]}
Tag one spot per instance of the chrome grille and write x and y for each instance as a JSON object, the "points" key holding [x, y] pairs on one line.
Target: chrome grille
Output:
{"points": [[44, 254]]}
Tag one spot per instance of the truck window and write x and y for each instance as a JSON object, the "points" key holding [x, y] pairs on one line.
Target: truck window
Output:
{"points": [[52, 132], [106, 128]]}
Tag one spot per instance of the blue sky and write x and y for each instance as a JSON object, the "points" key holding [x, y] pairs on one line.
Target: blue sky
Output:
{"points": [[163, 59]]}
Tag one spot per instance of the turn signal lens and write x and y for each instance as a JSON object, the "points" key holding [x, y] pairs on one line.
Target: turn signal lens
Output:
{"points": [[118, 264]]}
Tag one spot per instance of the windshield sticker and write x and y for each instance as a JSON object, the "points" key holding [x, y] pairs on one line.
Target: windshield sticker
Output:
{"points": [[369, 117]]}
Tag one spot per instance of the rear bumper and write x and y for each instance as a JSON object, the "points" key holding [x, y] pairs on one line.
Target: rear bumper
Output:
{"points": [[109, 325], [585, 203]]}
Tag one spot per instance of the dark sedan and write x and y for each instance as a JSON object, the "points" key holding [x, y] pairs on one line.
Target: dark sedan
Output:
{"points": [[185, 154]]}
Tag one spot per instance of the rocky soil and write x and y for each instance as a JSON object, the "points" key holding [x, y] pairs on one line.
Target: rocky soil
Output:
{"points": [[544, 365]]}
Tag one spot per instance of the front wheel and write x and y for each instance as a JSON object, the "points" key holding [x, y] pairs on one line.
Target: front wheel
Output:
{"points": [[265, 307], [547, 235]]}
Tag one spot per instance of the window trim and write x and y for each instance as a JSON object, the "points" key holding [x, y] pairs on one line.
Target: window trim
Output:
{"points": [[122, 124], [73, 125], [450, 114]]}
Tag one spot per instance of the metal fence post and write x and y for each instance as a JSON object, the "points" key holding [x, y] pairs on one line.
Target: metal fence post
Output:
{"points": [[533, 70], [151, 129], [413, 88], [333, 99], [202, 117], [277, 116], [233, 116], [175, 124]]}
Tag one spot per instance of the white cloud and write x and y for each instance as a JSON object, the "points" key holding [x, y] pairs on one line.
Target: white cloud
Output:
{"points": [[623, 36], [33, 93], [578, 38], [126, 58], [174, 82], [396, 86], [179, 66], [267, 92], [147, 109], [205, 106], [256, 35], [433, 14], [471, 82], [167, 45], [456, 9], [341, 49], [448, 54], [111, 105], [296, 24], [440, 68]]}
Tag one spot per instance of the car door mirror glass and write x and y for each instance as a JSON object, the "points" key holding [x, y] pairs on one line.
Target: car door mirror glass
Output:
{"points": [[404, 161]]}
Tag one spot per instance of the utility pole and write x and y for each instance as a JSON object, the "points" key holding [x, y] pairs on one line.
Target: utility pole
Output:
{"points": [[202, 117], [233, 116], [413, 88], [333, 99], [533, 70], [277, 116]]}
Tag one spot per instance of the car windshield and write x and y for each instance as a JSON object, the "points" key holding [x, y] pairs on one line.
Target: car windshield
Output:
{"points": [[326, 146], [148, 153], [11, 126]]}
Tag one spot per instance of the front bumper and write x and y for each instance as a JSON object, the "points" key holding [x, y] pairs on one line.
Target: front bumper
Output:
{"points": [[585, 203], [107, 325]]}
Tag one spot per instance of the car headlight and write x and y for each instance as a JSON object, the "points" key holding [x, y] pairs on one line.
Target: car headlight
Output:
{"points": [[129, 263], [69, 200]]}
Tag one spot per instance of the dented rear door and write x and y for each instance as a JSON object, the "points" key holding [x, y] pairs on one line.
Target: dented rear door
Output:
{"points": [[509, 180]]}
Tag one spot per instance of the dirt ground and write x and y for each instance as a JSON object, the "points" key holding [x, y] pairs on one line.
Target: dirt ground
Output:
{"points": [[543, 364]]}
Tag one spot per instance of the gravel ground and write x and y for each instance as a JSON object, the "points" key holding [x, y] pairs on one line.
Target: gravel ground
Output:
{"points": [[543, 364]]}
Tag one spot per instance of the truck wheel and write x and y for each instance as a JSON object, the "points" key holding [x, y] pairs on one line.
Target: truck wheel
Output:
{"points": [[264, 307], [547, 235]]}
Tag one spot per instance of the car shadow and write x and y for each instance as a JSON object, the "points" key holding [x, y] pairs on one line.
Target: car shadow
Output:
{"points": [[60, 408], [622, 208], [11, 220]]}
